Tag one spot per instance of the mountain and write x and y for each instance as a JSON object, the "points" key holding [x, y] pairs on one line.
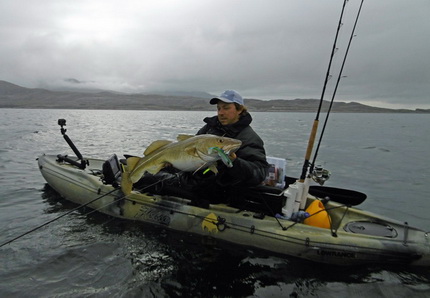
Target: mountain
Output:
{"points": [[14, 96]]}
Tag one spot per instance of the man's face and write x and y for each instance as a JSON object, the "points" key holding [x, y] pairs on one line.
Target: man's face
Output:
{"points": [[227, 113]]}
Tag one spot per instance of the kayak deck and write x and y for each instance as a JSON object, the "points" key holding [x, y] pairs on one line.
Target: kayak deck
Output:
{"points": [[353, 237]]}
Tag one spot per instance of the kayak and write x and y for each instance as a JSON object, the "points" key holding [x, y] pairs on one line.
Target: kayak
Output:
{"points": [[331, 232]]}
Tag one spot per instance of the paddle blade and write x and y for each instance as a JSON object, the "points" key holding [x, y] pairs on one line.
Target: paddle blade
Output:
{"points": [[343, 196]]}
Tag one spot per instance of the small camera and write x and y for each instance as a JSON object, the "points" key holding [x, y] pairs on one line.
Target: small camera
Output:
{"points": [[61, 122]]}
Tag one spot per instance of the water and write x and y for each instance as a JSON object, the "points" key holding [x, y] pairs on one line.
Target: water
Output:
{"points": [[382, 155]]}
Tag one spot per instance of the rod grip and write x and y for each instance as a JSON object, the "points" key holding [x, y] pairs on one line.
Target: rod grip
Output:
{"points": [[312, 140], [309, 150]]}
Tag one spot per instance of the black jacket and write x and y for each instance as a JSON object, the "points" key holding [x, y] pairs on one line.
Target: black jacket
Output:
{"points": [[250, 167]]}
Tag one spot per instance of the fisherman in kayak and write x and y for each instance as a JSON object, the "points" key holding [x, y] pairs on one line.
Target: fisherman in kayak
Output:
{"points": [[249, 165], [233, 121]]}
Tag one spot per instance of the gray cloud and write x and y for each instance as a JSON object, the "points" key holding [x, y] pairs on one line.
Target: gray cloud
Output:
{"points": [[263, 49]]}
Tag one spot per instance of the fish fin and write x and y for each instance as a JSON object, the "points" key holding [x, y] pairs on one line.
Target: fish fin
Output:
{"points": [[151, 169], [199, 168], [166, 164], [129, 170], [183, 137], [135, 175], [126, 184], [131, 163], [158, 168], [213, 168], [156, 145], [192, 151]]}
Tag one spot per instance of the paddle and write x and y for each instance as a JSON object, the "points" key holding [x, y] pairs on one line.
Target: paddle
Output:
{"points": [[343, 196], [340, 195]]}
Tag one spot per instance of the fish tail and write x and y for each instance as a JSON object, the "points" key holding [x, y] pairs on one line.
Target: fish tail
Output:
{"points": [[126, 184]]}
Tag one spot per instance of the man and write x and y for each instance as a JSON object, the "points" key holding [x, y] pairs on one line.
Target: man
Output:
{"points": [[233, 121], [249, 161]]}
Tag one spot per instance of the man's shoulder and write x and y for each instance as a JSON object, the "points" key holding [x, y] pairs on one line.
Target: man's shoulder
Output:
{"points": [[212, 121], [249, 134]]}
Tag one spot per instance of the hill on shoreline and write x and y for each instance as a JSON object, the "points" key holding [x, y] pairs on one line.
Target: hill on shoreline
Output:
{"points": [[14, 96]]}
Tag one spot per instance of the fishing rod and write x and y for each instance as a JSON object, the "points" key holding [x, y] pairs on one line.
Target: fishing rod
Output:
{"points": [[312, 136], [335, 89], [297, 192]]}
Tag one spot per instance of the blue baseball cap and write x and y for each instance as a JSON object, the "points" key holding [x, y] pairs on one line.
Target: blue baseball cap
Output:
{"points": [[228, 96]]}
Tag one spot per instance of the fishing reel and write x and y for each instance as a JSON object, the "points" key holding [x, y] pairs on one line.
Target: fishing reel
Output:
{"points": [[320, 175]]}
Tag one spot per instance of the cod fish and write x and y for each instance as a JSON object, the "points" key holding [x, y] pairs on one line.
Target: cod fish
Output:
{"points": [[190, 153]]}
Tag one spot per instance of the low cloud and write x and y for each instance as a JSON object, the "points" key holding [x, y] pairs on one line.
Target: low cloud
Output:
{"points": [[264, 50]]}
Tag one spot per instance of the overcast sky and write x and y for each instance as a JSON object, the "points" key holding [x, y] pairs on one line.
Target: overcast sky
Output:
{"points": [[276, 49]]}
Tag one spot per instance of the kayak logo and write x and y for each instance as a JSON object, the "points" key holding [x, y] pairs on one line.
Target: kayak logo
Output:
{"points": [[210, 223], [153, 215], [338, 254]]}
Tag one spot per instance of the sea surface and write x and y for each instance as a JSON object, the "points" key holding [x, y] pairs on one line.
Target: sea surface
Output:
{"points": [[87, 254]]}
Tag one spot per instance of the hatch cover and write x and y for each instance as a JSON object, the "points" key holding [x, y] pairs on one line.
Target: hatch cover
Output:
{"points": [[371, 228]]}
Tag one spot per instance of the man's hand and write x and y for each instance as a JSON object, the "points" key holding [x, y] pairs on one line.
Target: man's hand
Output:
{"points": [[232, 156]]}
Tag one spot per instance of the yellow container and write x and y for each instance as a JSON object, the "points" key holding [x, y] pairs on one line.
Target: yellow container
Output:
{"points": [[318, 216]]}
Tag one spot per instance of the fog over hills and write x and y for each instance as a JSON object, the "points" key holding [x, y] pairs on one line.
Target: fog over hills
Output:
{"points": [[14, 96]]}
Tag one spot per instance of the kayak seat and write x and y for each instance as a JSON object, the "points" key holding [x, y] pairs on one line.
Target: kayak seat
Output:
{"points": [[111, 171], [263, 199], [124, 160]]}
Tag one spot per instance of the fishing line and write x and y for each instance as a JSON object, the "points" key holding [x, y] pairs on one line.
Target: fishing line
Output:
{"points": [[55, 219], [333, 51], [73, 210], [335, 89], [312, 136]]}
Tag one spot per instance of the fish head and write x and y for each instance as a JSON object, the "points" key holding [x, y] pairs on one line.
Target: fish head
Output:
{"points": [[206, 144]]}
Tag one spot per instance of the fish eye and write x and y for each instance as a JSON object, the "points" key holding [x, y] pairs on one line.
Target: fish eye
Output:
{"points": [[221, 140]]}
